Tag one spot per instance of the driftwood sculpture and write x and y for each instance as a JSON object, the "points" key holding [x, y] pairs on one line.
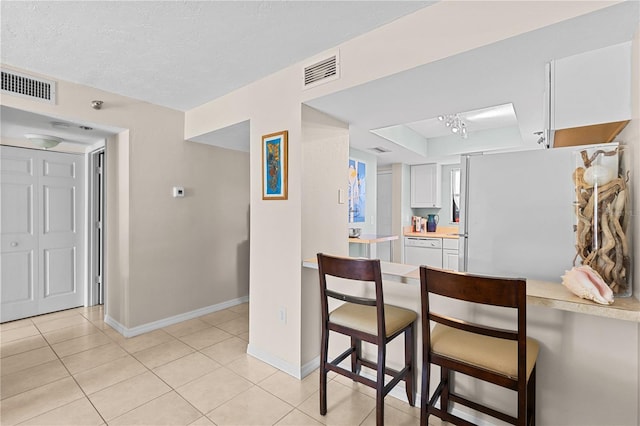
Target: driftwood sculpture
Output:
{"points": [[601, 207]]}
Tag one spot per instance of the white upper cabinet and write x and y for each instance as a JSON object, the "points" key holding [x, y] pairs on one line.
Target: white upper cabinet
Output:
{"points": [[590, 88], [425, 185]]}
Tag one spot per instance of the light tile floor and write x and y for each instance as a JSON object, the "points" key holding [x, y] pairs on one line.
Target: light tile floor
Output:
{"points": [[70, 368]]}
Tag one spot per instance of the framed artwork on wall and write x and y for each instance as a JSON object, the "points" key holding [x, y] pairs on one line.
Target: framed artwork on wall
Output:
{"points": [[357, 191], [274, 166]]}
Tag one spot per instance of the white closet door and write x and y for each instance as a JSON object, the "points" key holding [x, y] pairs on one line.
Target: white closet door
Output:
{"points": [[43, 230], [19, 236]]}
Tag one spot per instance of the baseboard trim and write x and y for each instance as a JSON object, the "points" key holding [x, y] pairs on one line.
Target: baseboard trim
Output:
{"points": [[310, 367], [274, 361], [165, 322]]}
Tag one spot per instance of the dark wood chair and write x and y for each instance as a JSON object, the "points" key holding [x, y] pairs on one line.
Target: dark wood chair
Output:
{"points": [[363, 319], [505, 357]]}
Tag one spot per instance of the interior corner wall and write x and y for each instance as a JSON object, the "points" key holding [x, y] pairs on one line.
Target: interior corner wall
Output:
{"points": [[401, 211], [631, 137], [634, 137], [325, 154], [166, 256], [117, 204], [275, 249]]}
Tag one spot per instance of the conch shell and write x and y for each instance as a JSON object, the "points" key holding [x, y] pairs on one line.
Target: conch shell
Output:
{"points": [[584, 282]]}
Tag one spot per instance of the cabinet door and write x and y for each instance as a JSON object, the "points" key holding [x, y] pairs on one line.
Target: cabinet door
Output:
{"points": [[592, 87], [450, 259], [425, 185]]}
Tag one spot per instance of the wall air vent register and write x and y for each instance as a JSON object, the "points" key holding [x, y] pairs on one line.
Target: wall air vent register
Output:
{"points": [[27, 86], [322, 71]]}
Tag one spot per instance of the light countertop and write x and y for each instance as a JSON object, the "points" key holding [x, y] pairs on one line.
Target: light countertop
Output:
{"points": [[372, 238], [441, 232], [539, 293]]}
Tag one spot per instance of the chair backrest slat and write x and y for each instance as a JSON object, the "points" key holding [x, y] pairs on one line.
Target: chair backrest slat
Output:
{"points": [[474, 328], [351, 299], [480, 289], [349, 268]]}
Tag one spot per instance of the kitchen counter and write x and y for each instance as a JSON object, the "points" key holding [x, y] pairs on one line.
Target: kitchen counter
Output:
{"points": [[441, 232], [370, 240], [539, 293]]}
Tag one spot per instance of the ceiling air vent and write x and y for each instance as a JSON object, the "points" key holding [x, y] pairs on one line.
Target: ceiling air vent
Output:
{"points": [[321, 72], [27, 86], [379, 150]]}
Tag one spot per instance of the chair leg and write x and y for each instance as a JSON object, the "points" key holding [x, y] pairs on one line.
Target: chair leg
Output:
{"points": [[424, 394], [324, 353], [410, 360], [380, 385], [445, 377], [356, 355], [531, 398]]}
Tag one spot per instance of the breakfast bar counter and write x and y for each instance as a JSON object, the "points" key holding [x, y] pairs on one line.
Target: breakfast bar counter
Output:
{"points": [[540, 293], [370, 240]]}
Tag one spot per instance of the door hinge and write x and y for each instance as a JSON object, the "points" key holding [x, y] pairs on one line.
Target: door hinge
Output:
{"points": [[98, 224]]}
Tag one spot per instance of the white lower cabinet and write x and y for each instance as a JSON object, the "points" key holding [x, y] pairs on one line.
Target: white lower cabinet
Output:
{"points": [[450, 254]]}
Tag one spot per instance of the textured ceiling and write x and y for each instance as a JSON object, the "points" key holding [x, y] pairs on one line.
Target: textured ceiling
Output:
{"points": [[179, 54]]}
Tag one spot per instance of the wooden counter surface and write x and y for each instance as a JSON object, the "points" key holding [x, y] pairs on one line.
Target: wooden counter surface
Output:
{"points": [[540, 293], [441, 232]]}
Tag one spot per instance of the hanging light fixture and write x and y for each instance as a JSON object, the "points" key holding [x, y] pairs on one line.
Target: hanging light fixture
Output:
{"points": [[43, 141], [455, 123]]}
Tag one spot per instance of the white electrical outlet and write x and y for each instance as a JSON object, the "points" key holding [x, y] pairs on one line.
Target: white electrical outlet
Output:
{"points": [[282, 315]]}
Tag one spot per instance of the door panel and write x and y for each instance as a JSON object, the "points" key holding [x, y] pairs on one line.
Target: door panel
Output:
{"points": [[61, 239], [18, 218], [59, 271], [58, 169], [17, 268], [59, 206], [18, 236], [42, 232]]}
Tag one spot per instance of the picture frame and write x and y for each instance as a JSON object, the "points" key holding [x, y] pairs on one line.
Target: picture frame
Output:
{"points": [[274, 166]]}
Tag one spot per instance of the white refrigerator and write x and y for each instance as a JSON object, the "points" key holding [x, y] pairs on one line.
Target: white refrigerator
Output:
{"points": [[517, 213]]}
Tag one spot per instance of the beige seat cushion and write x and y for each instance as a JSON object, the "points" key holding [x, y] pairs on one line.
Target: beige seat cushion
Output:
{"points": [[497, 355], [364, 318]]}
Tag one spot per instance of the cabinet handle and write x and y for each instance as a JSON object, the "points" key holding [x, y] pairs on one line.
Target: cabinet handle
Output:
{"points": [[14, 244]]}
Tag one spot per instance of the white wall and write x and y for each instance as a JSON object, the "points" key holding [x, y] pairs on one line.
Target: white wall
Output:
{"points": [[631, 136], [440, 31], [325, 144]]}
